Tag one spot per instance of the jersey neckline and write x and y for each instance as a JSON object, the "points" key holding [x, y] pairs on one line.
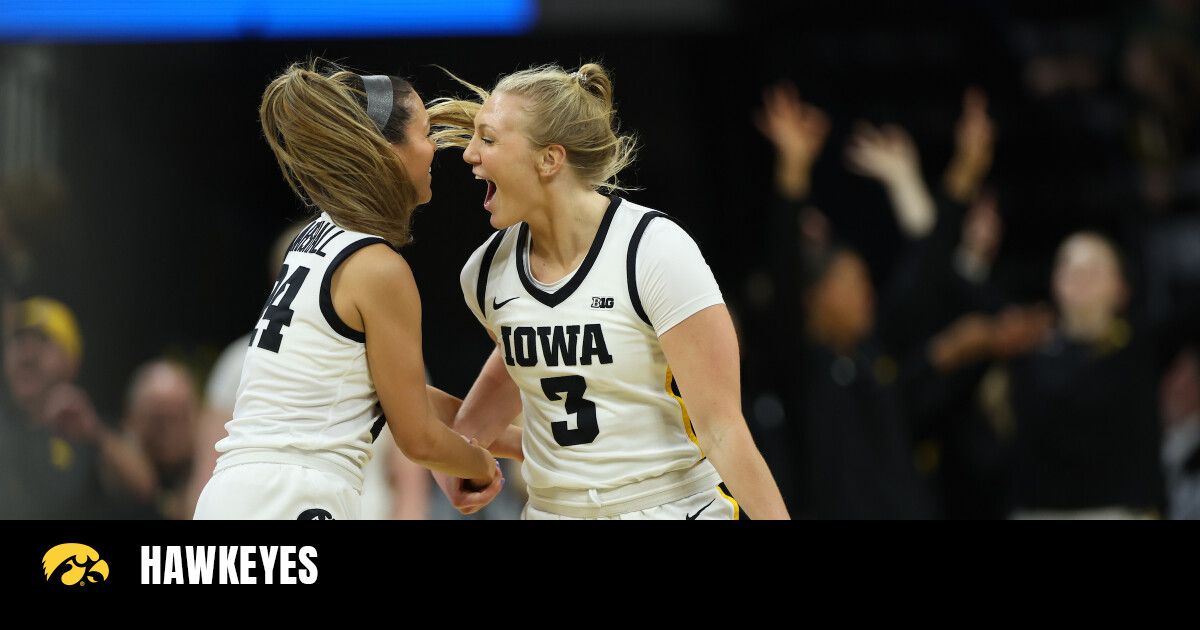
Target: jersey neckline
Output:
{"points": [[558, 296]]}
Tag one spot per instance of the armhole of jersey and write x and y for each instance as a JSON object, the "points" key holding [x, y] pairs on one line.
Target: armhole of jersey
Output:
{"points": [[326, 299], [377, 426], [485, 266], [631, 265]]}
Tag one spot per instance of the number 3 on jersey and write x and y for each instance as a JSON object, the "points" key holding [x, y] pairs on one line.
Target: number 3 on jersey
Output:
{"points": [[585, 410], [279, 314]]}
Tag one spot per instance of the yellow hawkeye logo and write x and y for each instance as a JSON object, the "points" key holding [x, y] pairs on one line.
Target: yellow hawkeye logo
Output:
{"points": [[75, 563]]}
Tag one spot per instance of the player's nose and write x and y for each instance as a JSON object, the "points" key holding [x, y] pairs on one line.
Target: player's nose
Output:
{"points": [[471, 154]]}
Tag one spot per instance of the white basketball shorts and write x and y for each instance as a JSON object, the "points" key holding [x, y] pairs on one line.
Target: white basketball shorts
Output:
{"points": [[269, 491], [712, 504]]}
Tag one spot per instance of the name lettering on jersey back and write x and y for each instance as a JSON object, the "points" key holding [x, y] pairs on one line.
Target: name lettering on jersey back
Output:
{"points": [[314, 238], [559, 345]]}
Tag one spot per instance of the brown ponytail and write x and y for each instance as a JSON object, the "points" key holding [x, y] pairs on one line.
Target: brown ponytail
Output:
{"points": [[333, 155]]}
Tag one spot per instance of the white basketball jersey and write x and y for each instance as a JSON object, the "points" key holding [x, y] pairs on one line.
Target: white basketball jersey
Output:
{"points": [[600, 406], [305, 387]]}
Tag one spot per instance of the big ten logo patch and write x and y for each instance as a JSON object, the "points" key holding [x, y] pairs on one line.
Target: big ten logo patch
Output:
{"points": [[602, 302], [74, 564]]}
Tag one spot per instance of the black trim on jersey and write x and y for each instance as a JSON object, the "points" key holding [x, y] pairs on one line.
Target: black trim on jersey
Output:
{"points": [[485, 266], [631, 261], [326, 299], [556, 298], [377, 427]]}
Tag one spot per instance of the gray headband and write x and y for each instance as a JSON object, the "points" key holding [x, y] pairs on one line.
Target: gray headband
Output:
{"points": [[379, 98]]}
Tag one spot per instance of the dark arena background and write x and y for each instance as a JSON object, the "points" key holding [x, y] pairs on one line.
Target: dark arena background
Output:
{"points": [[165, 198]]}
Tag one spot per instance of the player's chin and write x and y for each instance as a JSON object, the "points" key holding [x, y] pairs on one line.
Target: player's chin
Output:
{"points": [[499, 220]]}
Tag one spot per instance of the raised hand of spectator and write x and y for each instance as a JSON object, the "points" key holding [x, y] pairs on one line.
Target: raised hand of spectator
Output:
{"points": [[887, 153], [974, 147], [890, 155], [798, 131], [982, 232]]}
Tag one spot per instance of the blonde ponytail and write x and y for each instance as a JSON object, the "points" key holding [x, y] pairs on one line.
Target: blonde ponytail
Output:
{"points": [[574, 110]]}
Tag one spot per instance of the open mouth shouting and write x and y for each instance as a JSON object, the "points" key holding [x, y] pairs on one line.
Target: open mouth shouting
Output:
{"points": [[491, 193]]}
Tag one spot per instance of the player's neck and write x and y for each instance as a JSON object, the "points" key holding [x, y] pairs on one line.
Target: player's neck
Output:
{"points": [[564, 231]]}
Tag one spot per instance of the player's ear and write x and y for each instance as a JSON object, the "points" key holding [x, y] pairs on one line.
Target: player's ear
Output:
{"points": [[551, 160]]}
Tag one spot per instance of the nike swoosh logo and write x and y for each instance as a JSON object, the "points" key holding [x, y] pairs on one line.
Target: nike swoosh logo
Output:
{"points": [[692, 517], [496, 305]]}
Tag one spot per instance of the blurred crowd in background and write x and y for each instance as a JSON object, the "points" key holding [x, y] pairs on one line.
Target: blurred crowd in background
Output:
{"points": [[961, 243]]}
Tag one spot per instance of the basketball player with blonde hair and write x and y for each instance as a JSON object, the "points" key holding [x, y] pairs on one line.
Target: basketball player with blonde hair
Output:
{"points": [[612, 336]]}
